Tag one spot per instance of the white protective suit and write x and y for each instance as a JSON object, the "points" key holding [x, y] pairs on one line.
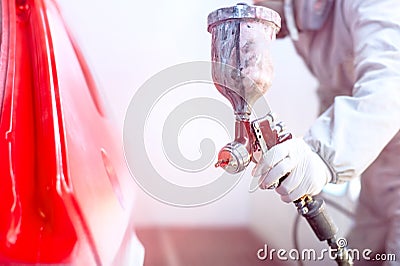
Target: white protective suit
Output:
{"points": [[356, 58]]}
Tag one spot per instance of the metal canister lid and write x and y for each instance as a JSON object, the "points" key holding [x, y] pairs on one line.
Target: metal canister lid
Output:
{"points": [[241, 11]]}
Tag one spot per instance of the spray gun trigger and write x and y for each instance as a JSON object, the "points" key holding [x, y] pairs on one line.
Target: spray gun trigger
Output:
{"points": [[261, 144]]}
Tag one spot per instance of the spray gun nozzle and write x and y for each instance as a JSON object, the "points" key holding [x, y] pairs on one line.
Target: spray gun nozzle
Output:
{"points": [[222, 163]]}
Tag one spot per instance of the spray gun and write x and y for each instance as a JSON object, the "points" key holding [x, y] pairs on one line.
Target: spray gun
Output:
{"points": [[242, 72]]}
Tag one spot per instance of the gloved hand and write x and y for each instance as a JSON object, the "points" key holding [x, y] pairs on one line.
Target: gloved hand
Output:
{"points": [[308, 173]]}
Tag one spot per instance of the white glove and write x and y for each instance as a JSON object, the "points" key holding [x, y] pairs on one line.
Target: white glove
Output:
{"points": [[308, 173]]}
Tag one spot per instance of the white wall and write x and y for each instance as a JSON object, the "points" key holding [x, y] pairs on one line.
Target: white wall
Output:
{"points": [[126, 42]]}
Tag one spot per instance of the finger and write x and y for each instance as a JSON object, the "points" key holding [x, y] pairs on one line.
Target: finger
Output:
{"points": [[290, 183], [293, 196], [260, 169], [275, 155], [298, 192], [306, 189], [264, 185], [286, 198], [277, 172], [261, 183]]}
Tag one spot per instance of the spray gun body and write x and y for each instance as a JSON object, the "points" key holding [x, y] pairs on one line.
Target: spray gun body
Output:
{"points": [[252, 140], [242, 72]]}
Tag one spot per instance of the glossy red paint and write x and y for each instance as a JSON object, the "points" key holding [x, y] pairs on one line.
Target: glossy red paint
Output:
{"points": [[66, 193]]}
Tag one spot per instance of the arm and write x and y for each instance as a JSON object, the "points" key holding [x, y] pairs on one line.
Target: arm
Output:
{"points": [[350, 135]]}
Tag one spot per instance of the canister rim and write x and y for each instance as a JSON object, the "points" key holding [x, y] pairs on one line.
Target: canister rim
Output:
{"points": [[243, 11]]}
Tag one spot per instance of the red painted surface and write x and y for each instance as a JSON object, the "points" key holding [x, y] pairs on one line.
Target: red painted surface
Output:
{"points": [[64, 187]]}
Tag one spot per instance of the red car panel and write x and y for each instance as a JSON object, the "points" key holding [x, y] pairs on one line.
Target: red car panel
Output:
{"points": [[66, 193]]}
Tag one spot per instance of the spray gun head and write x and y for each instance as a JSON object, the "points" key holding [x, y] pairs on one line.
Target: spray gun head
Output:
{"points": [[241, 70], [233, 158], [236, 155]]}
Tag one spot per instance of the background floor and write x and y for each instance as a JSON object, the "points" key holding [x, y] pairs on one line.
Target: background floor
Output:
{"points": [[169, 246]]}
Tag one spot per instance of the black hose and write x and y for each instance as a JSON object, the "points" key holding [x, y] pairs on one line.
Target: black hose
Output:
{"points": [[295, 238], [296, 222]]}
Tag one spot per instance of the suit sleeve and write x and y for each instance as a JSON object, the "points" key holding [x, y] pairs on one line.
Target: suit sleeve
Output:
{"points": [[354, 130]]}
